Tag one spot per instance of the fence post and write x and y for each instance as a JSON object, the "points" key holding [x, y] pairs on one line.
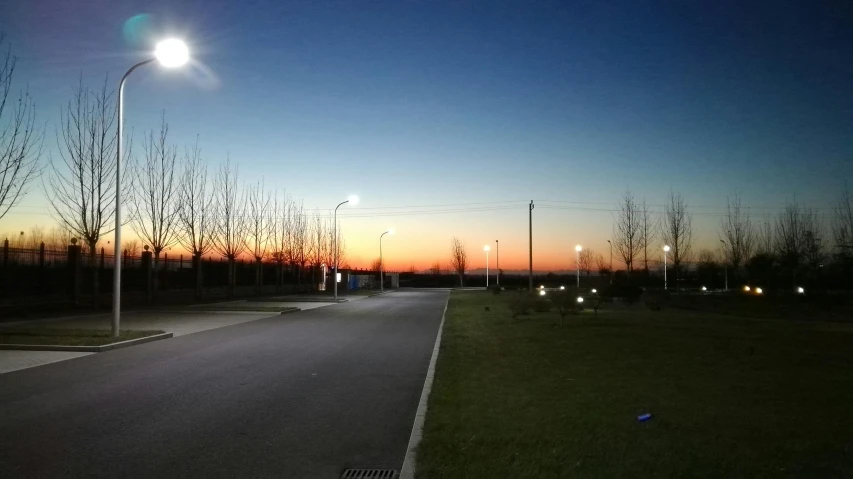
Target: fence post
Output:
{"points": [[74, 270], [6, 253], [146, 272]]}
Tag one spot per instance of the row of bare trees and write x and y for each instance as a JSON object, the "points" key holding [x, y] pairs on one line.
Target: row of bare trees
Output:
{"points": [[797, 242], [171, 197]]}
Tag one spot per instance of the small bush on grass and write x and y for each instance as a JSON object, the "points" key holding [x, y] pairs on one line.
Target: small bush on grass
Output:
{"points": [[566, 304], [519, 304], [541, 305], [495, 289]]}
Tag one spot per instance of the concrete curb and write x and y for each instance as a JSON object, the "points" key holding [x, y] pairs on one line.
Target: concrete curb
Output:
{"points": [[84, 349], [229, 311], [24, 322], [408, 469]]}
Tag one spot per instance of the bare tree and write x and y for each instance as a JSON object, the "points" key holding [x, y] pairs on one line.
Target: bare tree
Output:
{"points": [[320, 245], [436, 268], [799, 240], [458, 259], [34, 238], [57, 238], [155, 207], [842, 224], [627, 231], [195, 222], [258, 222], [648, 231], [341, 246], [376, 265], [677, 231], [229, 239], [602, 265], [131, 248], [81, 188], [279, 238], [20, 141], [298, 236], [707, 267], [738, 234], [764, 243], [585, 260]]}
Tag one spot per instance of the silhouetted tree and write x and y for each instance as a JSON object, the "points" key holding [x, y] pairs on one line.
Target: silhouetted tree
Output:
{"points": [[154, 207], [627, 231], [196, 223], [231, 226], [81, 188], [258, 220], [677, 231], [738, 234], [458, 259], [842, 225], [648, 228], [20, 141]]}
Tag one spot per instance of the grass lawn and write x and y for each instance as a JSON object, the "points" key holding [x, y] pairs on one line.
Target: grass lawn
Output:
{"points": [[730, 397], [68, 337]]}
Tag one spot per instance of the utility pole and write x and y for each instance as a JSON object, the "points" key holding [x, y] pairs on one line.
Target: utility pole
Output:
{"points": [[725, 263], [498, 265], [611, 261], [530, 277]]}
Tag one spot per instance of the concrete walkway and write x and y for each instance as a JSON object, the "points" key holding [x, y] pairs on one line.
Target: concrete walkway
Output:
{"points": [[180, 321]]}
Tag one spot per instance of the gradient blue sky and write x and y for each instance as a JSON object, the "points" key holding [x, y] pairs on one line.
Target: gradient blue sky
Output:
{"points": [[418, 103]]}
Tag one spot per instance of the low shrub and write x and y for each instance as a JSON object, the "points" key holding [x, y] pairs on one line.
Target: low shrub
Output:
{"points": [[495, 289], [519, 304]]}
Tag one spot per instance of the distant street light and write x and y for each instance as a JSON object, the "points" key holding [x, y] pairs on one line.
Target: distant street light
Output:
{"points": [[665, 251], [381, 262], [171, 53], [594, 291], [800, 290], [541, 292], [352, 200], [580, 299], [562, 288], [486, 249], [578, 249]]}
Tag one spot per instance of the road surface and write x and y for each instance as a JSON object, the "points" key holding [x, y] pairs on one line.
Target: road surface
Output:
{"points": [[302, 395]]}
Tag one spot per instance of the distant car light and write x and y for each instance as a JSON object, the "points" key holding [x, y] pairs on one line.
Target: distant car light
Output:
{"points": [[580, 300]]}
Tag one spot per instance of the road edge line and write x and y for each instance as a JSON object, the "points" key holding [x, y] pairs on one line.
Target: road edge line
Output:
{"points": [[408, 469]]}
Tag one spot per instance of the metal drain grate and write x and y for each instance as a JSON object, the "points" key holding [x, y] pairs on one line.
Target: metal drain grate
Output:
{"points": [[371, 474]]}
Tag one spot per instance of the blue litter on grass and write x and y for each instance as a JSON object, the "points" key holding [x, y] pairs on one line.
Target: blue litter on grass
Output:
{"points": [[644, 417]]}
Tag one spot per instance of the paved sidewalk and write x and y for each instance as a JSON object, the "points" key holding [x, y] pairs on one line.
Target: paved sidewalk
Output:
{"points": [[179, 321]]}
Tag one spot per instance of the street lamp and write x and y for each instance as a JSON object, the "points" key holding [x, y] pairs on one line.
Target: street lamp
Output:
{"points": [[486, 249], [381, 263], [665, 251], [578, 249], [171, 53], [352, 200], [726, 264]]}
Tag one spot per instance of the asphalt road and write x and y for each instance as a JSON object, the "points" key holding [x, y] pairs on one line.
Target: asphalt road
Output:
{"points": [[301, 395]]}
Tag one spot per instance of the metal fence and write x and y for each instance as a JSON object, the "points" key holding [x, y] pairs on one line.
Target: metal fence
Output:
{"points": [[42, 272]]}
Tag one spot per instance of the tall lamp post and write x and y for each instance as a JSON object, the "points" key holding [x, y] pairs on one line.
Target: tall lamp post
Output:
{"points": [[171, 53], [725, 264], [352, 200], [486, 249], [497, 263], [665, 251], [611, 261], [381, 262], [578, 249]]}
